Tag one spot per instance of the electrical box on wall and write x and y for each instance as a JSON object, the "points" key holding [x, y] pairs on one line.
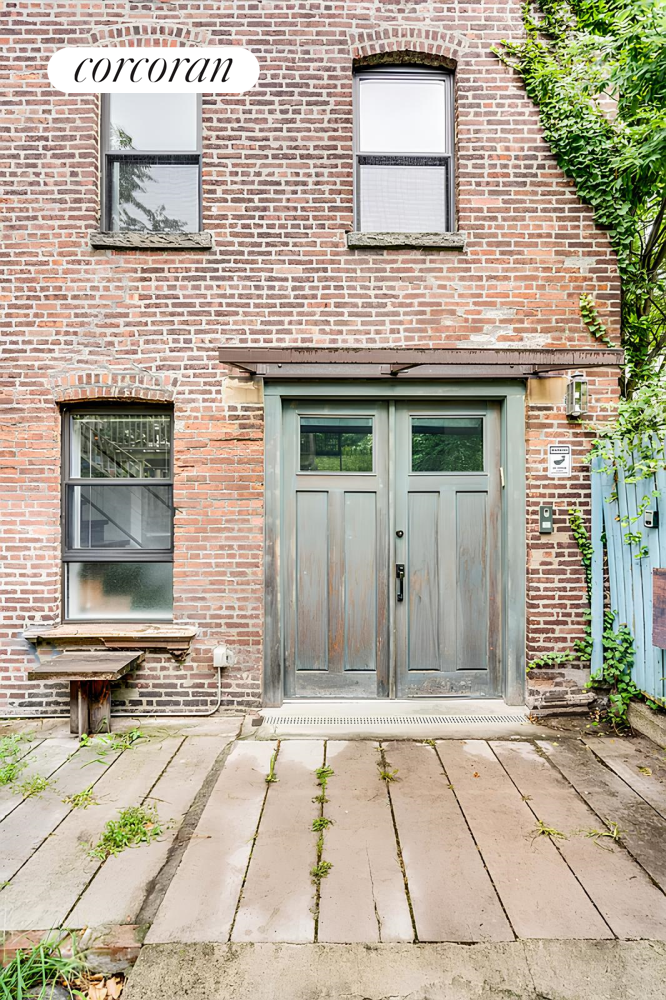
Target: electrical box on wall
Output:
{"points": [[546, 518], [651, 518]]}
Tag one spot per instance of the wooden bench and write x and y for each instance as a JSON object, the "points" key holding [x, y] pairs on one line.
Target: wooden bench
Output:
{"points": [[89, 676]]}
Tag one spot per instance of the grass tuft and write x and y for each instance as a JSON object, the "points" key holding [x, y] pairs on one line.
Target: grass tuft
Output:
{"points": [[321, 823], [135, 825], [271, 776], [33, 786], [34, 973], [82, 799], [548, 831]]}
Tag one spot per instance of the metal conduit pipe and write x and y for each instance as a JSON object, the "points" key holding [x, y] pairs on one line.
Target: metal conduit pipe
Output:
{"points": [[132, 715]]}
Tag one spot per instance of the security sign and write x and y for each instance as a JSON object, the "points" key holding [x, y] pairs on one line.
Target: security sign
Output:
{"points": [[559, 461]]}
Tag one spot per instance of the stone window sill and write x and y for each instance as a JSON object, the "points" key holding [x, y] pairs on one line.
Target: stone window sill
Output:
{"points": [[151, 241], [172, 636], [415, 241]]}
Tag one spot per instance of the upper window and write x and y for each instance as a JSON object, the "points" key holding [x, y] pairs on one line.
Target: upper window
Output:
{"points": [[151, 163], [404, 150], [118, 507]]}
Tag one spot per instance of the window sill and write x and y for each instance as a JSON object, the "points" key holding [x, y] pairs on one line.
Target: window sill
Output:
{"points": [[151, 241], [175, 637], [415, 241]]}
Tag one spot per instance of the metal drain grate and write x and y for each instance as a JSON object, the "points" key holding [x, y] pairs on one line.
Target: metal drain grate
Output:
{"points": [[390, 720]]}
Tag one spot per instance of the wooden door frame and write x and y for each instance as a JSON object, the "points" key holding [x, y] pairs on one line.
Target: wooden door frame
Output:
{"points": [[511, 395]]}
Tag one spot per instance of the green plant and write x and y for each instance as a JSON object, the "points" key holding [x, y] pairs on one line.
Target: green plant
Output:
{"points": [[576, 58], [135, 825], [323, 774], [321, 823], [33, 786], [387, 776], [116, 743], [320, 870], [613, 833], [618, 646], [271, 776], [548, 831], [82, 799], [10, 771], [33, 974], [582, 648]]}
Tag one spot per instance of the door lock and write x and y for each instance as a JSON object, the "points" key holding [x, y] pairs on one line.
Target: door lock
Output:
{"points": [[400, 578]]}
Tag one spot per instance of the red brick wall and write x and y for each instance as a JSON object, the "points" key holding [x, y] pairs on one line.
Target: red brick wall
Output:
{"points": [[278, 200]]}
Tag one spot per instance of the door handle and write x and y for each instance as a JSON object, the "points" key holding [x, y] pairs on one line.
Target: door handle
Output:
{"points": [[400, 578]]}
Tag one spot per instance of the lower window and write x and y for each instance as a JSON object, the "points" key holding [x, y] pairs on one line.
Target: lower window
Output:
{"points": [[118, 512]]}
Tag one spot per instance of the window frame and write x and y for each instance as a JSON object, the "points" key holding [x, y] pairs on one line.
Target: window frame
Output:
{"points": [[110, 555], [336, 472], [109, 156], [447, 160], [449, 416]]}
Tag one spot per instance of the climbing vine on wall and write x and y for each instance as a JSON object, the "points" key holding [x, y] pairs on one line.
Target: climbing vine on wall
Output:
{"points": [[617, 643], [596, 69]]}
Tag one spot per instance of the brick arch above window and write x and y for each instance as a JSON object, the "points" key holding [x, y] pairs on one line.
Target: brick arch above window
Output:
{"points": [[128, 32], [81, 386], [400, 44]]}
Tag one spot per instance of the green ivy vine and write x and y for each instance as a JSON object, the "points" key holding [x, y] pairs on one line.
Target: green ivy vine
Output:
{"points": [[617, 643]]}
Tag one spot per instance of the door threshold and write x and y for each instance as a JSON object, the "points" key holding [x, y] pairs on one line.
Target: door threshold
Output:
{"points": [[442, 718]]}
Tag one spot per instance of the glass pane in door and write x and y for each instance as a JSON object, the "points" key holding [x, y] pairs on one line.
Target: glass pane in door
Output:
{"points": [[447, 444], [336, 444]]}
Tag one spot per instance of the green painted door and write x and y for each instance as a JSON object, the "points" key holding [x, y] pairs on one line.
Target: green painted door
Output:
{"points": [[447, 505], [335, 535], [390, 549]]}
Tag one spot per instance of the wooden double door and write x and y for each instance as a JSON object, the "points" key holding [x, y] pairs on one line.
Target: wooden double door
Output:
{"points": [[390, 549]]}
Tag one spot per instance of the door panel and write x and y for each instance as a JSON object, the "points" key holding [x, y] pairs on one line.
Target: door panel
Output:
{"points": [[335, 540], [447, 504]]}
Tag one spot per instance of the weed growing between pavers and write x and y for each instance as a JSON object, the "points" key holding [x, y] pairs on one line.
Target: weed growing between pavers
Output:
{"points": [[116, 743], [10, 765], [548, 831], [271, 776], [321, 868], [135, 825], [82, 799], [33, 786]]}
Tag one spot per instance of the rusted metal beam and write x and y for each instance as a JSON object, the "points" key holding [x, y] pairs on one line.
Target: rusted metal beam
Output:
{"points": [[545, 358]]}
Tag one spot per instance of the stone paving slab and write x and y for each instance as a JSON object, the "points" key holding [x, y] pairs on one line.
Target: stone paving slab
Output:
{"points": [[520, 970], [278, 895], [200, 904], [117, 892], [361, 846]]}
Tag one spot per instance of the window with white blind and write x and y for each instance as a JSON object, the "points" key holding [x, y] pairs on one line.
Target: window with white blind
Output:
{"points": [[403, 150]]}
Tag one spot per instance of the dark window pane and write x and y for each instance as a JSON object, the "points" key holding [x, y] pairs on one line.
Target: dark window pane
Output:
{"points": [[447, 444], [403, 199], [154, 197], [336, 444], [402, 115], [119, 517], [120, 446], [119, 590], [165, 122]]}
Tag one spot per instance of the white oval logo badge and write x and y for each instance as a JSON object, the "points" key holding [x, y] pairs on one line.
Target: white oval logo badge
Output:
{"points": [[153, 70]]}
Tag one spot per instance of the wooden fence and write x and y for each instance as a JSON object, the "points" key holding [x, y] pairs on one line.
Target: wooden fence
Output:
{"points": [[633, 552]]}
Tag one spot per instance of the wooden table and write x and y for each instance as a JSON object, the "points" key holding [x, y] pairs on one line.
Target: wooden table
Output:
{"points": [[89, 676]]}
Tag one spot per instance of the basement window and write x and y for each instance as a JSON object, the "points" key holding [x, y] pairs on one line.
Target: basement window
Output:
{"points": [[151, 163], [403, 150], [118, 515]]}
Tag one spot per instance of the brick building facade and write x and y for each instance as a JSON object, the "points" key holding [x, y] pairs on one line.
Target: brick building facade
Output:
{"points": [[142, 324]]}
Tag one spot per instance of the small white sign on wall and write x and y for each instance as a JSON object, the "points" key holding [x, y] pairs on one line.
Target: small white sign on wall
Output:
{"points": [[559, 461]]}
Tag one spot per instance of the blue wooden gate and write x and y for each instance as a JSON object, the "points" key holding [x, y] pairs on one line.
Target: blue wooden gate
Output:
{"points": [[633, 551]]}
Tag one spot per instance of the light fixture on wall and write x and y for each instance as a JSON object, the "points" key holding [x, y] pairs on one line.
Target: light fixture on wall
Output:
{"points": [[576, 396]]}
